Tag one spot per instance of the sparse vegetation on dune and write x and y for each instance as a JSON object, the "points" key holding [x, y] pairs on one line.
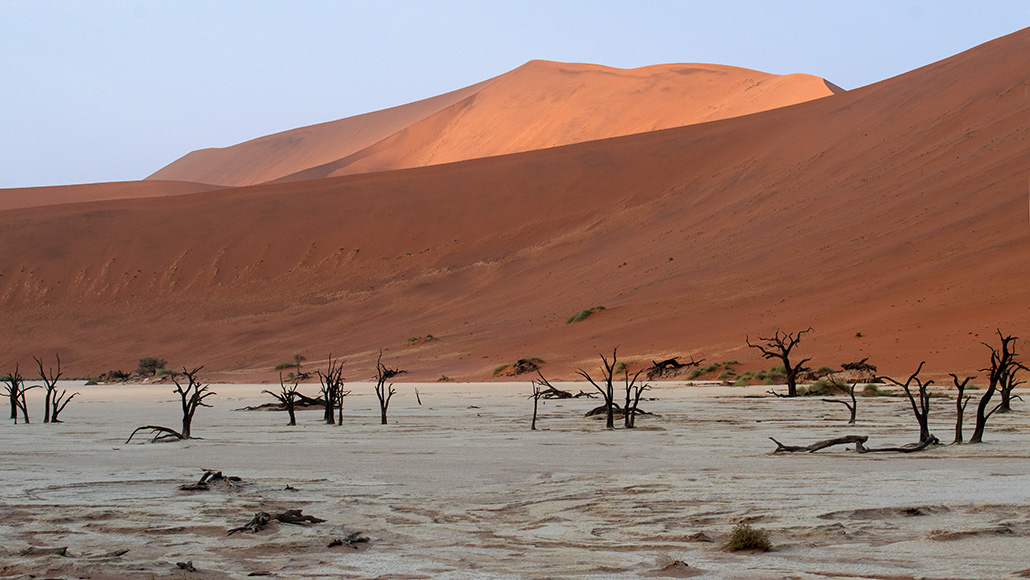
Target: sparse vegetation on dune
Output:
{"points": [[582, 314]]}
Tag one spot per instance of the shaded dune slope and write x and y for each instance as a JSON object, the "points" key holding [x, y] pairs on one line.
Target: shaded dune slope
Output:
{"points": [[60, 194], [898, 211], [540, 104]]}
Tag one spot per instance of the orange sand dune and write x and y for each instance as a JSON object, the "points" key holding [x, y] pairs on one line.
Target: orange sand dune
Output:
{"points": [[55, 195], [893, 219], [546, 104], [274, 156], [541, 104]]}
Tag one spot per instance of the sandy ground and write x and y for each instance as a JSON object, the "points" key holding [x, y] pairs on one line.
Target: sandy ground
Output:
{"points": [[459, 487]]}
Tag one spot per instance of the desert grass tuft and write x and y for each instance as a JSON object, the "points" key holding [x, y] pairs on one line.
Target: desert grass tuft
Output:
{"points": [[745, 537]]}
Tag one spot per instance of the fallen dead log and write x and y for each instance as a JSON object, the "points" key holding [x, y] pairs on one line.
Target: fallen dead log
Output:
{"points": [[38, 551], [904, 448], [351, 541], [858, 440], [261, 519], [617, 411], [157, 429]]}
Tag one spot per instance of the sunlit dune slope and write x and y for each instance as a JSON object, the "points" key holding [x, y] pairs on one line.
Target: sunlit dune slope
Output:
{"points": [[273, 156], [540, 104], [55, 195], [892, 219]]}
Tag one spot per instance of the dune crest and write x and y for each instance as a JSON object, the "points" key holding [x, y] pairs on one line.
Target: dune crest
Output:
{"points": [[538, 105]]}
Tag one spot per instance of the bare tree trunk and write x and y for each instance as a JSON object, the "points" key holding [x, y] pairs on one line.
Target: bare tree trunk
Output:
{"points": [[16, 393], [287, 396], [1005, 388], [192, 396], [1002, 363], [536, 403], [960, 405], [922, 409], [46, 406], [383, 391], [630, 411], [332, 388], [608, 390]]}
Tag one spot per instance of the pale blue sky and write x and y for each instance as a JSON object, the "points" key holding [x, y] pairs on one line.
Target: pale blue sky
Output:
{"points": [[111, 90]]}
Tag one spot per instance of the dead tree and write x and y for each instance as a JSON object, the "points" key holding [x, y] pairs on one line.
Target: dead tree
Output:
{"points": [[608, 390], [660, 369], [383, 391], [1007, 385], [853, 405], [55, 402], [633, 392], [779, 346], [922, 408], [287, 397], [537, 393], [13, 389], [16, 394], [192, 395], [960, 405], [1003, 363], [332, 391]]}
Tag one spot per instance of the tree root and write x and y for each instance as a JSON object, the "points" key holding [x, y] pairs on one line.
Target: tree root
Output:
{"points": [[352, 540], [211, 477]]}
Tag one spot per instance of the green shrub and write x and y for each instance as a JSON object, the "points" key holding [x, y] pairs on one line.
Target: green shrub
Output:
{"points": [[745, 537], [582, 314], [742, 381], [148, 366], [500, 369], [694, 374], [91, 382]]}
